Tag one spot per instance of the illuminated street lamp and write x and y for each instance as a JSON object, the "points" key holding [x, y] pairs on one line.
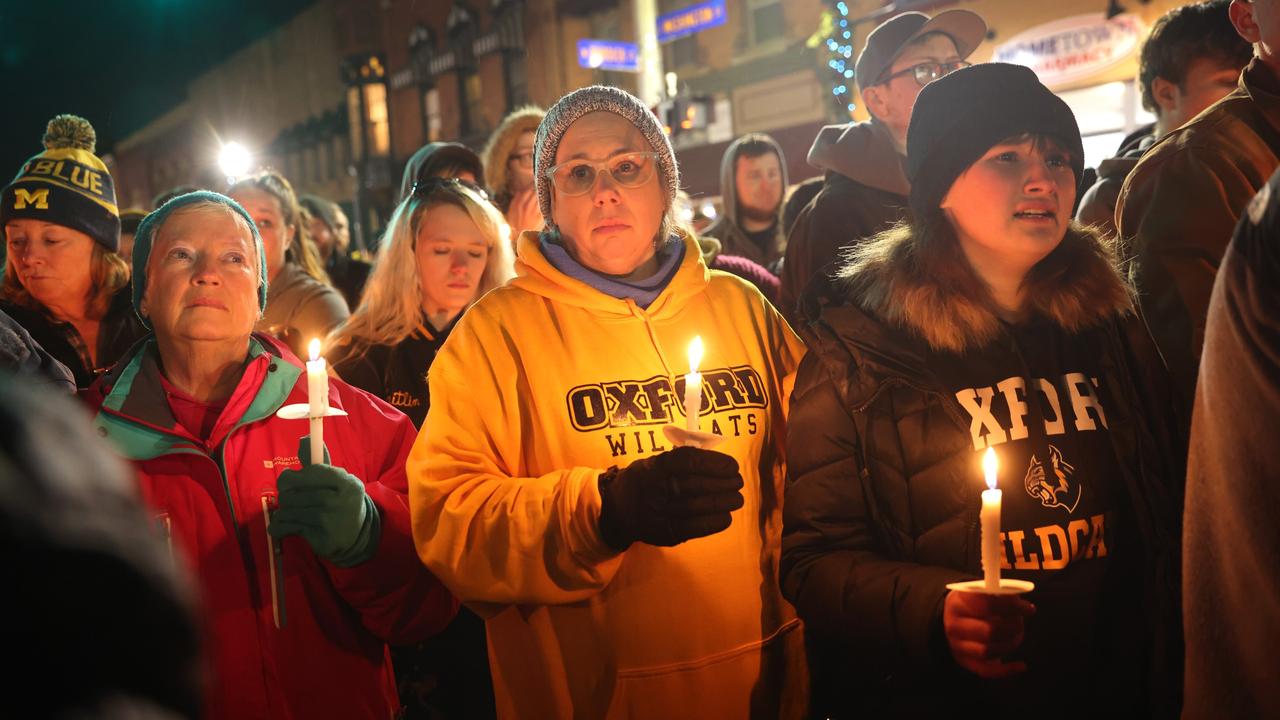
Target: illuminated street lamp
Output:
{"points": [[234, 160]]}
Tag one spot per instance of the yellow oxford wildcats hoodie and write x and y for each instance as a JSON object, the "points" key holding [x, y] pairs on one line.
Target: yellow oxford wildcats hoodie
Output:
{"points": [[543, 385]]}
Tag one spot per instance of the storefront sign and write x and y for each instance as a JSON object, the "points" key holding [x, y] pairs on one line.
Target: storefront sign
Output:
{"points": [[1074, 48], [687, 21], [609, 55]]}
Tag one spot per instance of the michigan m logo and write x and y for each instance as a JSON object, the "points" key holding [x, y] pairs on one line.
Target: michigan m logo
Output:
{"points": [[38, 199]]}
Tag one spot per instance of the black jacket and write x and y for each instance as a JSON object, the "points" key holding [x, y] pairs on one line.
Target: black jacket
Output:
{"points": [[879, 514], [395, 373], [120, 329], [865, 191]]}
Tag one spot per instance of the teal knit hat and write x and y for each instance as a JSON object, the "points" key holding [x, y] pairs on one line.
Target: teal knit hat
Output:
{"points": [[146, 233]]}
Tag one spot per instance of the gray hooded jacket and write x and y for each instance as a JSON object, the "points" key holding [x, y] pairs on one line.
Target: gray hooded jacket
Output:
{"points": [[733, 239]]}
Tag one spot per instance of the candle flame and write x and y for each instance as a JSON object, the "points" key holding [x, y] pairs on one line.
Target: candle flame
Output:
{"points": [[313, 349], [989, 467], [695, 353]]}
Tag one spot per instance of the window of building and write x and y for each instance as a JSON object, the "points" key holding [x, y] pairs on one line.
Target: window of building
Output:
{"points": [[472, 98], [375, 107], [767, 21], [355, 112], [517, 79], [432, 120]]}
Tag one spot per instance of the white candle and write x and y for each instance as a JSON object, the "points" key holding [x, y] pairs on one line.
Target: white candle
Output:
{"points": [[693, 385], [991, 546], [317, 399]]}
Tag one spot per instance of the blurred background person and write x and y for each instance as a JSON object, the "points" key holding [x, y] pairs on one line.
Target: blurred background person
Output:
{"points": [[306, 569], [301, 302], [508, 166], [1191, 59], [714, 257], [442, 160], [330, 232], [1180, 204], [865, 188], [64, 281], [753, 181], [129, 220], [22, 356], [1231, 558], [103, 619], [800, 197]]}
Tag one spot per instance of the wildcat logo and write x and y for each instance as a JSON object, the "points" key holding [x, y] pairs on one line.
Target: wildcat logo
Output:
{"points": [[658, 401], [1053, 486]]}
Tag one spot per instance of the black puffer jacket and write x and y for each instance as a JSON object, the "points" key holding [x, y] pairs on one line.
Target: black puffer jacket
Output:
{"points": [[881, 511]]}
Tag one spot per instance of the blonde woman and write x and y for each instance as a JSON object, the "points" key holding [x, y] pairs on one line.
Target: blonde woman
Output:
{"points": [[301, 302], [444, 249]]}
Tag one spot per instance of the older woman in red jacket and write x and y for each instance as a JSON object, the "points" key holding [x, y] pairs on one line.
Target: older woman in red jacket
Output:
{"points": [[306, 570]]}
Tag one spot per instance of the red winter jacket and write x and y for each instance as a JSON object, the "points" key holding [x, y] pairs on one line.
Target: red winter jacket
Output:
{"points": [[330, 659]]}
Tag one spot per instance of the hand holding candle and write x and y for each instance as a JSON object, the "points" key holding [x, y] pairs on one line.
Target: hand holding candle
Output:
{"points": [[317, 399], [990, 516], [693, 385]]}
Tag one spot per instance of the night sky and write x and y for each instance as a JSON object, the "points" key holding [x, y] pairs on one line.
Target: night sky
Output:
{"points": [[118, 63]]}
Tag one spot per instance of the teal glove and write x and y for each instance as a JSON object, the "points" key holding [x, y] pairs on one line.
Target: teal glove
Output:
{"points": [[329, 508]]}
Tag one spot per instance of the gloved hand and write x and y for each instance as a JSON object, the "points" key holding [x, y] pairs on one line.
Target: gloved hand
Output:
{"points": [[329, 508], [666, 499]]}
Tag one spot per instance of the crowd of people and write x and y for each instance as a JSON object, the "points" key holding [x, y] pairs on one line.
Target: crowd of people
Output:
{"points": [[581, 458]]}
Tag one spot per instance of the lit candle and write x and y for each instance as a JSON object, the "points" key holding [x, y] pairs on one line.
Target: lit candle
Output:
{"points": [[693, 385], [318, 400], [991, 546]]}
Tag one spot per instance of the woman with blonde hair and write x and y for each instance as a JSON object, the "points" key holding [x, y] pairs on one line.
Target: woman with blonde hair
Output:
{"points": [[443, 249], [301, 302], [63, 279]]}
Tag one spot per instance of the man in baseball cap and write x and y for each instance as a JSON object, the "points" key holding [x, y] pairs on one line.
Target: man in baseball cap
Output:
{"points": [[866, 187]]}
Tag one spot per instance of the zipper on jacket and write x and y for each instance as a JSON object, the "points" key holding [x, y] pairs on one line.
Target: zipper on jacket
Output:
{"points": [[275, 560], [164, 525]]}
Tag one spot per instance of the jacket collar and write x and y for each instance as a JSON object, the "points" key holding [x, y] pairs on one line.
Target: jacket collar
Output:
{"points": [[137, 415], [1263, 88], [535, 274], [935, 296]]}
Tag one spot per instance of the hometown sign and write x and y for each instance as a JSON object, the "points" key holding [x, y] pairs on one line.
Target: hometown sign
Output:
{"points": [[1074, 48]]}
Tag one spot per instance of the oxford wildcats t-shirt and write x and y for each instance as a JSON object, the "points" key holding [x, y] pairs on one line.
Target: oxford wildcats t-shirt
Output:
{"points": [[1037, 397]]}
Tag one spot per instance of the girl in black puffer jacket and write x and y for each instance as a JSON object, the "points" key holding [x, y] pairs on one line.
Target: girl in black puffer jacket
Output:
{"points": [[988, 321]]}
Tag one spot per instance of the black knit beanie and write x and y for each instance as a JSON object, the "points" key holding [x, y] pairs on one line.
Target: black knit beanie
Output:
{"points": [[959, 117]]}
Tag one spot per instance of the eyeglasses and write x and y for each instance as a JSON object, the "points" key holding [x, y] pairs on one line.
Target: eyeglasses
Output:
{"points": [[926, 73], [424, 187], [523, 159], [577, 177]]}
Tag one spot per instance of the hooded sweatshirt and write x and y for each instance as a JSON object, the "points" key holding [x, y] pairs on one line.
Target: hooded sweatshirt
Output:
{"points": [[544, 384], [865, 192], [735, 240]]}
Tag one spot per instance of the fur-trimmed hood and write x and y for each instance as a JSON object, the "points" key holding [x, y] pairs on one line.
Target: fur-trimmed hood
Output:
{"points": [[501, 143], [930, 290]]}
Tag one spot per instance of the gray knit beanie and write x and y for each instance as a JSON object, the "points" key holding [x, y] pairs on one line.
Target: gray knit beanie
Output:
{"points": [[585, 100]]}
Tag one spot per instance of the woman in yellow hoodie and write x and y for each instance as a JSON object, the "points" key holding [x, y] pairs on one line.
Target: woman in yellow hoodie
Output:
{"points": [[619, 576]]}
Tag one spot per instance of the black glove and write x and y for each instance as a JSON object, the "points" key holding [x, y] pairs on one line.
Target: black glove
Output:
{"points": [[666, 499]]}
